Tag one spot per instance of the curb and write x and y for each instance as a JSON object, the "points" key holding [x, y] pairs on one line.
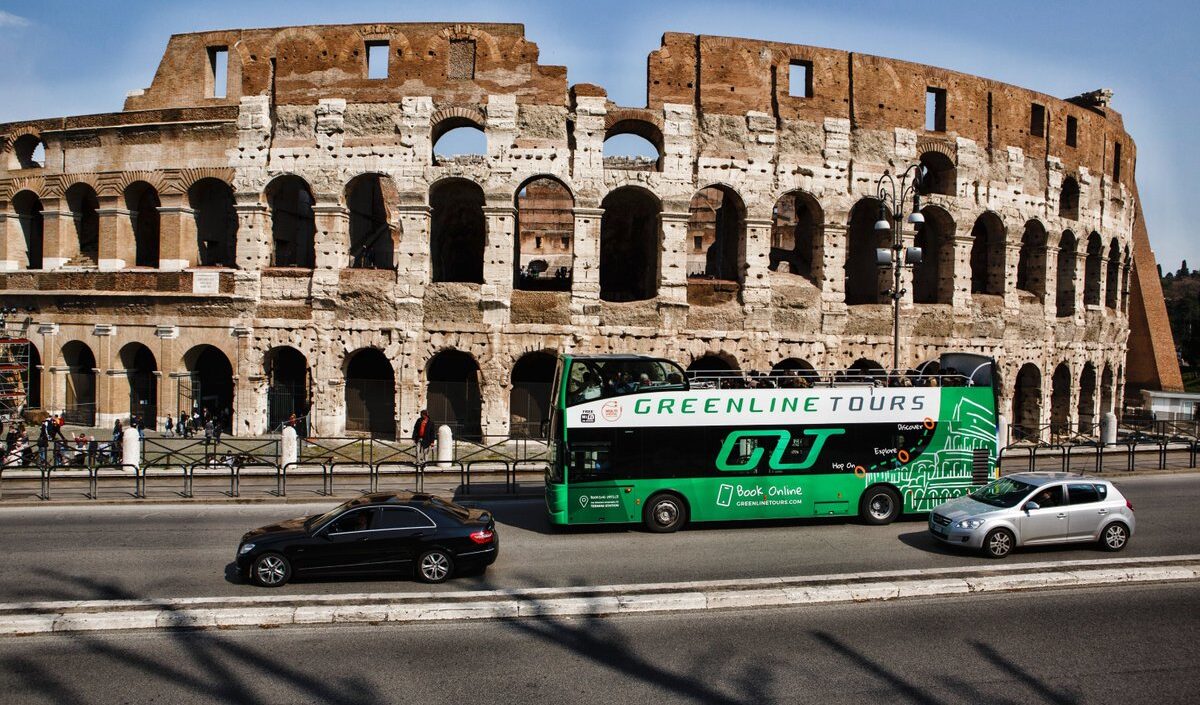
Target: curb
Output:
{"points": [[24, 619]]}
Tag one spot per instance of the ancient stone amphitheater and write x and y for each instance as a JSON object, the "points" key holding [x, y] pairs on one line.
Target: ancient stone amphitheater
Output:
{"points": [[268, 229]]}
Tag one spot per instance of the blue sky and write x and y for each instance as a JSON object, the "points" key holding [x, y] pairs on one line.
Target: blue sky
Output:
{"points": [[66, 58]]}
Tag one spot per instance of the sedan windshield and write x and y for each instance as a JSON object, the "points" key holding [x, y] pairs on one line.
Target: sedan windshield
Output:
{"points": [[1005, 492]]}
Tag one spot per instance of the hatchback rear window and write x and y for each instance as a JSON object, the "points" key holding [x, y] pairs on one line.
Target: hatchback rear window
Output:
{"points": [[1082, 494]]}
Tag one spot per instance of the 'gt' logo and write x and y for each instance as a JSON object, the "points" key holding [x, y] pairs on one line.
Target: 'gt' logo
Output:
{"points": [[782, 438]]}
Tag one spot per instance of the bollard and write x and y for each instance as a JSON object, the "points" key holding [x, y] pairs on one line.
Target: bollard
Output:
{"points": [[289, 447], [1108, 428], [1001, 430], [445, 446], [131, 448]]}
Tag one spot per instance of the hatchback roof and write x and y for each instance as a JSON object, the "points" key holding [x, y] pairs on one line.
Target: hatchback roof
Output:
{"points": [[1044, 477]]}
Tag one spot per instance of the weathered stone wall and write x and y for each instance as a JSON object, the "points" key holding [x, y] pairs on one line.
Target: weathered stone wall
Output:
{"points": [[298, 102]]}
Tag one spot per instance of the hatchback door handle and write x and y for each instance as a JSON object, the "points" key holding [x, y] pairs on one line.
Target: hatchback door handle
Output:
{"points": [[1062, 516], [1103, 512]]}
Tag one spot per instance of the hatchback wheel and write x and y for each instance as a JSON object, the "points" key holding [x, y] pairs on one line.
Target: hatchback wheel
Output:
{"points": [[1114, 537], [271, 570], [664, 513], [998, 543], [435, 566]]}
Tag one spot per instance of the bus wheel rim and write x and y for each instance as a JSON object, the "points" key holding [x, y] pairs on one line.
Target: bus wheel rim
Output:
{"points": [[666, 513], [881, 506]]}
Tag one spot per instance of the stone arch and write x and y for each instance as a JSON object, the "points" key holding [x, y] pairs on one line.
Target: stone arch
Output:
{"points": [[797, 235], [717, 361], [1068, 199], [371, 200], [1060, 400], [630, 240], [458, 232], [1065, 275], [794, 372], [864, 370], [142, 202], [28, 208], [213, 207], [530, 393], [543, 256], [1107, 390], [1027, 404], [864, 283], [453, 396], [453, 118], [941, 174], [84, 205], [1031, 263], [140, 368], [716, 243], [1112, 278], [28, 151], [288, 387], [1087, 399], [1093, 271], [988, 254], [370, 393], [933, 278], [210, 384], [79, 402], [293, 223], [635, 124]]}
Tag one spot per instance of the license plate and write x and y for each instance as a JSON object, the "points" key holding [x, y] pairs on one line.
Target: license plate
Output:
{"points": [[938, 532]]}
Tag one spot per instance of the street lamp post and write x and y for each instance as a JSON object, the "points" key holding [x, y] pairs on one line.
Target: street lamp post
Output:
{"points": [[892, 195]]}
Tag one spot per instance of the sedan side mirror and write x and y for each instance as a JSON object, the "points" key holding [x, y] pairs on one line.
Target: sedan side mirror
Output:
{"points": [[1031, 505]]}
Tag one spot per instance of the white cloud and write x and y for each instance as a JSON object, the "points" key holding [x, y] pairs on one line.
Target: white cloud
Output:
{"points": [[8, 19]]}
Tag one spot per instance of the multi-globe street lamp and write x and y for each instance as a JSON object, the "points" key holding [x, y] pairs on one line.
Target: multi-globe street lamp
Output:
{"points": [[892, 196]]}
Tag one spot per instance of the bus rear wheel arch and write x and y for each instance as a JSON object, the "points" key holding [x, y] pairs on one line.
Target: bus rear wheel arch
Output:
{"points": [[880, 504], [665, 512]]}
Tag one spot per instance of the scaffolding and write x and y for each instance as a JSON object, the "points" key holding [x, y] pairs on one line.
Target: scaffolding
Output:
{"points": [[14, 375]]}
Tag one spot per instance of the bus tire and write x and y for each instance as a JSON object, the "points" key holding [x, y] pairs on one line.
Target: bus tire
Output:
{"points": [[880, 505], [664, 513]]}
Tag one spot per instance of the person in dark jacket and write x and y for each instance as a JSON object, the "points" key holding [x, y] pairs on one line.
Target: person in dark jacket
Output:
{"points": [[423, 435]]}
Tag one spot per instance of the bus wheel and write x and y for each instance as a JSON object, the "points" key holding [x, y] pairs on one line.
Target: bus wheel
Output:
{"points": [[879, 505], [664, 513]]}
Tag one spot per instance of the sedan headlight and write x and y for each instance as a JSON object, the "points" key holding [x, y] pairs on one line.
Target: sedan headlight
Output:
{"points": [[969, 524], [246, 548]]}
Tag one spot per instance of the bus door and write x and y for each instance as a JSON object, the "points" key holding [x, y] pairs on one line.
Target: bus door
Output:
{"points": [[599, 486]]}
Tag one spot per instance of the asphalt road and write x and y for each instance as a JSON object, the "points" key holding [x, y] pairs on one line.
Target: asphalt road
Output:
{"points": [[1116, 644], [150, 551]]}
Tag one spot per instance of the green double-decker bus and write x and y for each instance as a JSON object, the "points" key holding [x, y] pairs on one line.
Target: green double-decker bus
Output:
{"points": [[636, 439]]}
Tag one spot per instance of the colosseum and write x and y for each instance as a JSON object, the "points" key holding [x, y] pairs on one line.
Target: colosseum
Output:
{"points": [[269, 229]]}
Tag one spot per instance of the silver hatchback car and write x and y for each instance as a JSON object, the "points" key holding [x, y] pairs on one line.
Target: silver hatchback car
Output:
{"points": [[1036, 508]]}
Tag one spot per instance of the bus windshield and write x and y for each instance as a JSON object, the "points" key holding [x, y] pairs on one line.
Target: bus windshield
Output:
{"points": [[599, 379]]}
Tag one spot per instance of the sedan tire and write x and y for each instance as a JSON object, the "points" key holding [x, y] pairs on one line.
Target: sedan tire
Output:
{"points": [[435, 566], [270, 570], [1114, 537], [998, 543]]}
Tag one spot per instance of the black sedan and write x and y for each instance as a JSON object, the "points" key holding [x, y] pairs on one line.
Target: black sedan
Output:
{"points": [[373, 534]]}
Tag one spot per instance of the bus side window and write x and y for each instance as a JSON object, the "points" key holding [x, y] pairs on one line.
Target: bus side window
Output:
{"points": [[591, 462]]}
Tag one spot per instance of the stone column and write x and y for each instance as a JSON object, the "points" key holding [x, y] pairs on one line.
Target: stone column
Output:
{"points": [[117, 248], [254, 237], [49, 333], [333, 233], [672, 270], [1050, 300], [12, 240], [178, 245], [412, 262], [756, 287], [585, 268], [117, 390], [496, 293], [831, 276], [247, 403], [960, 264], [60, 242], [1012, 260], [1080, 281], [588, 155], [108, 408]]}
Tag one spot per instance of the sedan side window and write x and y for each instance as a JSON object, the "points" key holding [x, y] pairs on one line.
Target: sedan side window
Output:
{"points": [[1082, 494], [403, 518], [354, 520]]}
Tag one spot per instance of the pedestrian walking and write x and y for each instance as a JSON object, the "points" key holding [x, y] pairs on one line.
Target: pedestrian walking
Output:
{"points": [[169, 426], [423, 435]]}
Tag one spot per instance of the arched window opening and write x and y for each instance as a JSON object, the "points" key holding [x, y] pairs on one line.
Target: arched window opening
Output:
{"points": [[712, 362], [1060, 401], [28, 208], [1106, 391], [211, 200], [1112, 278], [80, 401], [84, 206], [208, 389], [1128, 264], [1068, 199], [1087, 400], [1031, 264], [141, 199], [293, 223], [545, 236], [140, 367], [459, 142], [629, 245], [633, 145], [1027, 404], [372, 238], [865, 281], [459, 231], [940, 175], [453, 396], [529, 399], [716, 245], [933, 278], [286, 370], [1065, 275], [794, 372], [863, 370], [988, 255], [797, 226], [29, 152], [1093, 282], [370, 394]]}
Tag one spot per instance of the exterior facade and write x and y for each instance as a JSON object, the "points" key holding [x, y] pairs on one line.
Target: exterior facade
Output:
{"points": [[268, 228]]}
